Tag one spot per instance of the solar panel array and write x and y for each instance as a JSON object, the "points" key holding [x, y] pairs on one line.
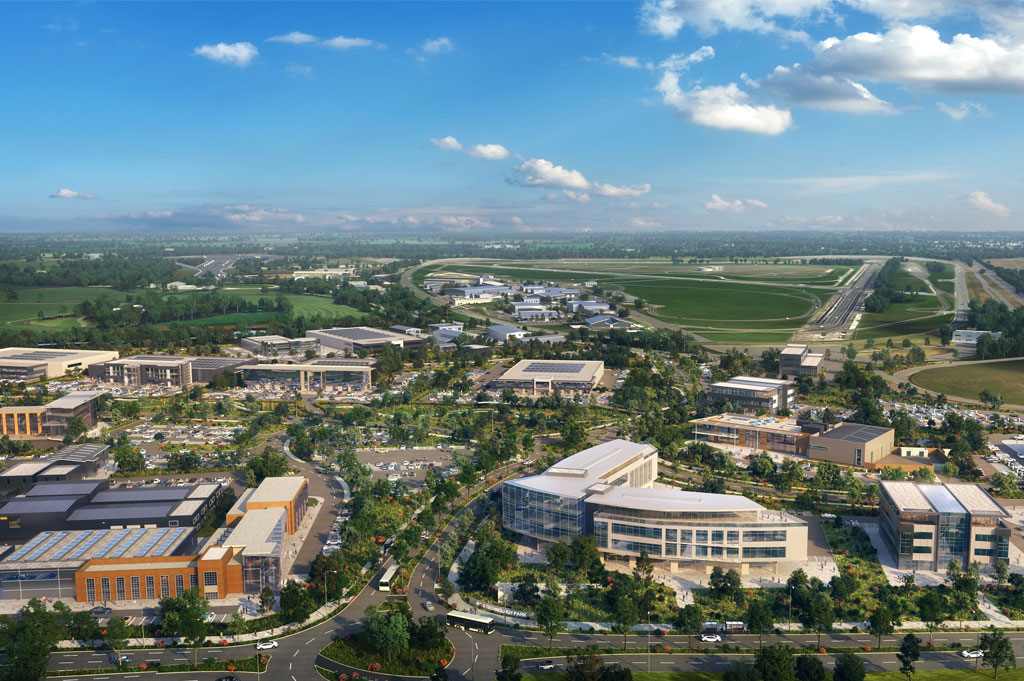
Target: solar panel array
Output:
{"points": [[47, 544], [110, 544], [175, 533], [212, 362], [855, 432], [553, 367], [38, 354], [99, 534], [141, 551], [70, 545], [128, 542], [29, 546], [358, 333]]}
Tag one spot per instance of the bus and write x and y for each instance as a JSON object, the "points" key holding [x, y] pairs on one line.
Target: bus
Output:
{"points": [[470, 622], [385, 581]]}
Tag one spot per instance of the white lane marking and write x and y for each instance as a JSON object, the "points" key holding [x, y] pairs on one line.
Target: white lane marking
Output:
{"points": [[296, 653], [310, 641], [65, 663], [465, 672], [475, 658], [293, 678], [289, 666]]}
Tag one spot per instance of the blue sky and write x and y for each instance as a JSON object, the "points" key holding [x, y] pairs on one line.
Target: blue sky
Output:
{"points": [[517, 117]]}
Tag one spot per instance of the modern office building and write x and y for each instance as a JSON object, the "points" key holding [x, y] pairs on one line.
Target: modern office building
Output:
{"points": [[289, 492], [971, 336], [32, 364], [274, 346], [257, 540], [537, 376], [166, 370], [49, 420], [754, 394], [798, 360], [503, 333], [609, 491], [852, 444], [353, 339], [926, 526]]}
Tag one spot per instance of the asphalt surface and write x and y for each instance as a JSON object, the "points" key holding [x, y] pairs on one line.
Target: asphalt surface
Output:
{"points": [[839, 313]]}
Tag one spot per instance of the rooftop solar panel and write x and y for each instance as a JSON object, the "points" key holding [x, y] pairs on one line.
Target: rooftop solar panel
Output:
{"points": [[70, 545], [941, 499], [141, 551], [168, 541], [98, 535], [110, 544], [47, 544], [357, 333], [123, 546], [554, 367], [36, 541]]}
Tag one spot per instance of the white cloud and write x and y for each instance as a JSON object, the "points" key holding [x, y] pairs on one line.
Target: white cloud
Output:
{"points": [[850, 184], [640, 223], [62, 24], [719, 205], [667, 17], [155, 214], [448, 143], [961, 110], [628, 61], [344, 43], [619, 192], [71, 194], [723, 106], [491, 152], [247, 213], [578, 197], [237, 54], [830, 219], [539, 172], [440, 45], [682, 62], [293, 38], [797, 87], [982, 201]]}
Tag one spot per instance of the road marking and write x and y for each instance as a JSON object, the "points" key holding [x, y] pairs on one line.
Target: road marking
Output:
{"points": [[65, 663], [296, 653], [310, 641], [293, 678], [289, 666], [465, 672], [475, 658]]}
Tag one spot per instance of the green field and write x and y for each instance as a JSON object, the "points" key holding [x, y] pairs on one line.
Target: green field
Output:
{"points": [[922, 306], [914, 326], [752, 337], [945, 280], [52, 301], [969, 379], [303, 304]]}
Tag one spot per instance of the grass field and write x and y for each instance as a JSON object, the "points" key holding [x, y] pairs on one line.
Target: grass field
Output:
{"points": [[945, 280], [969, 379], [975, 291], [898, 312], [1011, 263], [905, 278], [913, 326], [53, 301]]}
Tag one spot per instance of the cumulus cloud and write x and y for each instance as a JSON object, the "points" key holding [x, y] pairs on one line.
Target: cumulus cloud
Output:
{"points": [[538, 172], [961, 110], [982, 201], [667, 17], [71, 194], [448, 143], [799, 88], [682, 62], [345, 43], [578, 197], [723, 106], [627, 61], [293, 38], [619, 192], [719, 205], [640, 223], [432, 47], [236, 54], [491, 152]]}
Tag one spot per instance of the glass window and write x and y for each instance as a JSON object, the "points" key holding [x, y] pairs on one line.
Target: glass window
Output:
{"points": [[923, 535], [702, 536], [922, 549], [150, 587], [732, 551], [179, 584], [636, 546], [906, 542], [755, 536], [670, 549], [165, 586], [984, 537], [686, 535], [717, 536], [105, 588], [193, 581], [717, 550], [764, 551], [119, 588], [984, 552], [700, 550], [210, 578], [670, 535], [636, 531], [732, 536], [90, 589], [135, 588]]}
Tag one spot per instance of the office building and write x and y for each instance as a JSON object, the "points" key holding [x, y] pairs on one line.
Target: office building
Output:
{"points": [[926, 526], [971, 336], [754, 394], [353, 339], [166, 370], [536, 376], [288, 492], [609, 491], [798, 360], [503, 333], [275, 346], [49, 420], [74, 462], [852, 444], [33, 364], [409, 330], [257, 539]]}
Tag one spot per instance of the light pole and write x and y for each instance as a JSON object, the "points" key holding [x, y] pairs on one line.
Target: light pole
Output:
{"points": [[789, 620], [325, 586], [648, 640]]}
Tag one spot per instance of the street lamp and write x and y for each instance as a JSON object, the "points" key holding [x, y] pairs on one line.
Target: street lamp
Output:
{"points": [[648, 640], [325, 586], [789, 620]]}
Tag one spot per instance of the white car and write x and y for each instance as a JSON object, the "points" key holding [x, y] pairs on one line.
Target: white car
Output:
{"points": [[710, 638], [546, 664], [265, 645], [972, 654], [209, 617]]}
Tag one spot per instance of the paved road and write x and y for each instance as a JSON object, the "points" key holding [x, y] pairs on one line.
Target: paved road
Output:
{"points": [[838, 313]]}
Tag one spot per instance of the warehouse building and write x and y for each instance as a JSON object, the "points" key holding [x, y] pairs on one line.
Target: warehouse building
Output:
{"points": [[33, 364], [798, 360], [503, 333], [49, 420], [926, 526], [852, 444], [754, 394], [166, 370], [536, 376], [274, 346], [609, 491], [591, 307], [74, 462], [353, 339]]}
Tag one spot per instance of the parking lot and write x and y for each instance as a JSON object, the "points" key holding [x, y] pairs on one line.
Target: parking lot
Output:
{"points": [[409, 465]]}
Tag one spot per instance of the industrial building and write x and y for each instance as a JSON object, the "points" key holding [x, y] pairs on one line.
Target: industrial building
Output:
{"points": [[798, 360], [852, 444], [74, 462], [755, 394], [537, 376], [926, 526], [273, 346], [353, 339], [92, 504], [49, 420], [971, 336], [503, 333], [591, 307], [609, 491], [607, 322], [288, 492], [33, 364], [166, 370]]}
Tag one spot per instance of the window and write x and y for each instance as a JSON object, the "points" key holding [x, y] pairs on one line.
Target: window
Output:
{"points": [[984, 552], [670, 549], [700, 550], [985, 537], [135, 588], [732, 551], [764, 551], [210, 578], [733, 537], [702, 536], [193, 581], [636, 547], [90, 589], [165, 586], [686, 535], [755, 536], [923, 535], [717, 536], [105, 588], [670, 535], [172, 523], [119, 588], [922, 549], [179, 584], [906, 542], [637, 531], [717, 551], [150, 587]]}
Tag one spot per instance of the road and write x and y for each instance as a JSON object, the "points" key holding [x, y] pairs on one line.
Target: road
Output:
{"points": [[837, 315]]}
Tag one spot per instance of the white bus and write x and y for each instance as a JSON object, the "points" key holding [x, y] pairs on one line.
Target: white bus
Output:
{"points": [[385, 581], [470, 622]]}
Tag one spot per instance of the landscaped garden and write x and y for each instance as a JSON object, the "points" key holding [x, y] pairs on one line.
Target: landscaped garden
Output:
{"points": [[392, 643]]}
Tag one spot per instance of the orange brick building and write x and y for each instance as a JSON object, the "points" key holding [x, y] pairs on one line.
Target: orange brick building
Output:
{"points": [[216, 573], [288, 492]]}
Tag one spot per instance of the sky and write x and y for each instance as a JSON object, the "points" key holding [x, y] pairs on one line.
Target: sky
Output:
{"points": [[513, 118]]}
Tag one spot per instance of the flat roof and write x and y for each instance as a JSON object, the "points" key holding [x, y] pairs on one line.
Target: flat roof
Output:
{"points": [[363, 334], [855, 432], [906, 495], [74, 399], [572, 476], [976, 500], [767, 423], [943, 498], [548, 369], [672, 500], [253, 532], [68, 488], [20, 505], [188, 507], [793, 349], [71, 548], [170, 360], [86, 452], [215, 553], [26, 468], [61, 468], [506, 328], [283, 488], [47, 354], [752, 383]]}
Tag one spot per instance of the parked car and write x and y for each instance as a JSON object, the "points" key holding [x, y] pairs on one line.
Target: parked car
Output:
{"points": [[710, 638], [119, 659], [100, 610], [972, 654], [228, 678], [546, 664], [265, 645]]}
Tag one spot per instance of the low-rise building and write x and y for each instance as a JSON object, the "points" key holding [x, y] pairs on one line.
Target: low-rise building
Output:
{"points": [[271, 346], [32, 364], [754, 394], [768, 433], [591, 307], [852, 444], [290, 492], [537, 376], [798, 360], [503, 333], [971, 336], [607, 322], [351, 340], [167, 370], [410, 330]]}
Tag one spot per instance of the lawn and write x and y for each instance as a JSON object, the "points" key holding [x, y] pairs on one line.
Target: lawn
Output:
{"points": [[913, 326], [53, 301], [356, 651], [751, 337], [944, 280], [975, 290], [968, 379]]}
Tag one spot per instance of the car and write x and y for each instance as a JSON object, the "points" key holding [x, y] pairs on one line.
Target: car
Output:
{"points": [[828, 516], [972, 654], [100, 610], [265, 645], [209, 617], [710, 638], [228, 678], [428, 606], [546, 664], [119, 659]]}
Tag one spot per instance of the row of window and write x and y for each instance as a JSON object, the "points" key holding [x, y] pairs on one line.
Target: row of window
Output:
{"points": [[637, 531], [686, 536], [119, 593]]}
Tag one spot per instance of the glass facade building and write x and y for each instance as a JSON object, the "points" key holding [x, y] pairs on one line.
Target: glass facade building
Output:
{"points": [[542, 515]]}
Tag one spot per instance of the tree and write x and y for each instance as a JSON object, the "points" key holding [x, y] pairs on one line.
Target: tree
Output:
{"points": [[643, 570], [625, 617], [296, 603], [388, 632], [819, 614], [689, 619], [550, 616], [1000, 571], [809, 668], [953, 572], [266, 599], [759, 620], [185, 617], [75, 427], [932, 607], [910, 652], [28, 641], [848, 668], [558, 556], [527, 591], [741, 671], [881, 623], [237, 625], [998, 651], [509, 669], [723, 583], [585, 554], [775, 663], [117, 635], [585, 665]]}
